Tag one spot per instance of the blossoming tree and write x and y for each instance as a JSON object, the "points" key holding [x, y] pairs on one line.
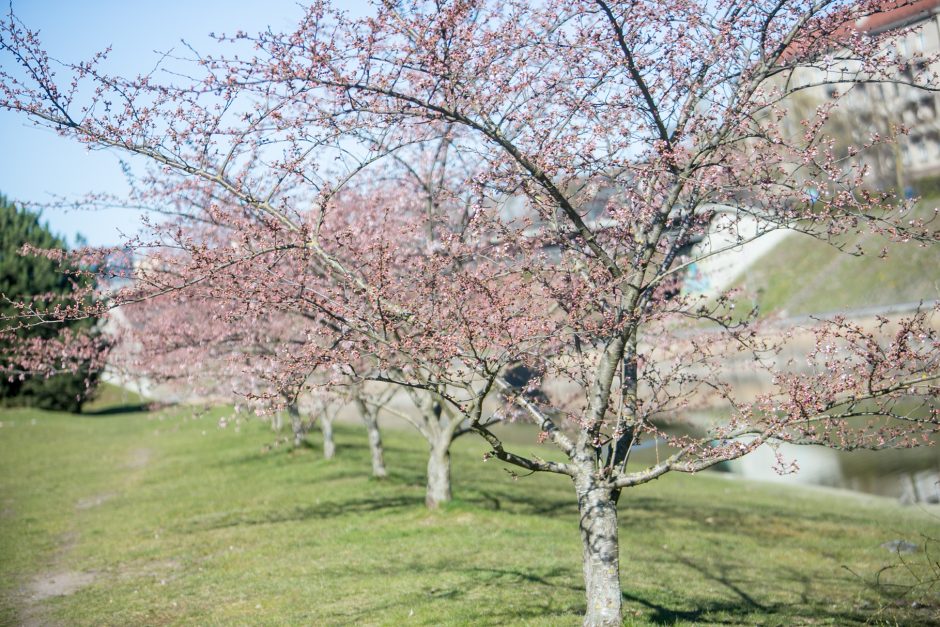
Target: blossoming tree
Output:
{"points": [[466, 188]]}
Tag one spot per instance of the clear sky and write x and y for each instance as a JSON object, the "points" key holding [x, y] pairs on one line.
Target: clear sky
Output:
{"points": [[36, 164]]}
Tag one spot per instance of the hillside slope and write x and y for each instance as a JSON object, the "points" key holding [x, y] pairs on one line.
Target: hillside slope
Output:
{"points": [[132, 518], [803, 275]]}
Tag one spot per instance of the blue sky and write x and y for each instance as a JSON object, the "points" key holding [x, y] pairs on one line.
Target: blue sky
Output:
{"points": [[36, 164]]}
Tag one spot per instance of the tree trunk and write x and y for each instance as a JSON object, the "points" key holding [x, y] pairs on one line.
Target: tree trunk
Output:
{"points": [[297, 425], [375, 445], [371, 420], [601, 548], [438, 475], [329, 447]]}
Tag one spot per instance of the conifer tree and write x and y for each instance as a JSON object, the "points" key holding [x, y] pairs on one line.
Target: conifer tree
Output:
{"points": [[24, 277]]}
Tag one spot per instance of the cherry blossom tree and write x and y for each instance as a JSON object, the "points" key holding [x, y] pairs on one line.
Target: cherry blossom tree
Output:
{"points": [[204, 345], [454, 193], [280, 319]]}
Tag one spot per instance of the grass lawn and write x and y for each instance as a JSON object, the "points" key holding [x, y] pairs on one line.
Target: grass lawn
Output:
{"points": [[134, 518], [804, 275]]}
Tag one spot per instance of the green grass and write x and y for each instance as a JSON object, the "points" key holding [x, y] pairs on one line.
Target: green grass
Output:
{"points": [[804, 275], [181, 522]]}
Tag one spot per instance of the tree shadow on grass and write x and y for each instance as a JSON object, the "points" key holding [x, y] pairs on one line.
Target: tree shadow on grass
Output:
{"points": [[520, 576], [745, 607], [569, 580], [741, 613], [662, 615], [540, 603], [307, 469], [348, 447], [720, 574], [113, 410], [752, 520], [563, 585], [517, 502], [318, 511], [347, 454], [557, 593]]}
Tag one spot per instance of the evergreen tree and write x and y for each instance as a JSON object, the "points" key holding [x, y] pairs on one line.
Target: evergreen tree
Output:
{"points": [[24, 276]]}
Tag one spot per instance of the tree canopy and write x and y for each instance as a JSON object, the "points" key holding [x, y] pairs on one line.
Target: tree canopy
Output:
{"points": [[432, 195], [30, 279]]}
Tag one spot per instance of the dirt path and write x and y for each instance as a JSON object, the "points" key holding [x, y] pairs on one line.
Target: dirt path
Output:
{"points": [[57, 579]]}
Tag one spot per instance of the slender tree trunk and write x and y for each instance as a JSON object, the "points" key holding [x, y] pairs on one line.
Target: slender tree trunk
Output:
{"points": [[329, 446], [438, 475], [297, 424], [371, 420], [601, 547], [375, 446]]}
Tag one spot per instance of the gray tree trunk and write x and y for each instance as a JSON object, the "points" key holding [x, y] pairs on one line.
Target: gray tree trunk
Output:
{"points": [[370, 419], [297, 424], [438, 475], [601, 550], [375, 446], [329, 446]]}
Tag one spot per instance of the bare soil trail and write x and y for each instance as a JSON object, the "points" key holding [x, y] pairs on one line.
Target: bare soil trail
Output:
{"points": [[58, 578]]}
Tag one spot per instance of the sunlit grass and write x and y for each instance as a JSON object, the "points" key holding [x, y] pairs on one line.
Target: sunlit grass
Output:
{"points": [[181, 522], [804, 275]]}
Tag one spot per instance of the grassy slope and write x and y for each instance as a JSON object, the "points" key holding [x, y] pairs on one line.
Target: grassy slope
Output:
{"points": [[185, 523], [803, 275]]}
